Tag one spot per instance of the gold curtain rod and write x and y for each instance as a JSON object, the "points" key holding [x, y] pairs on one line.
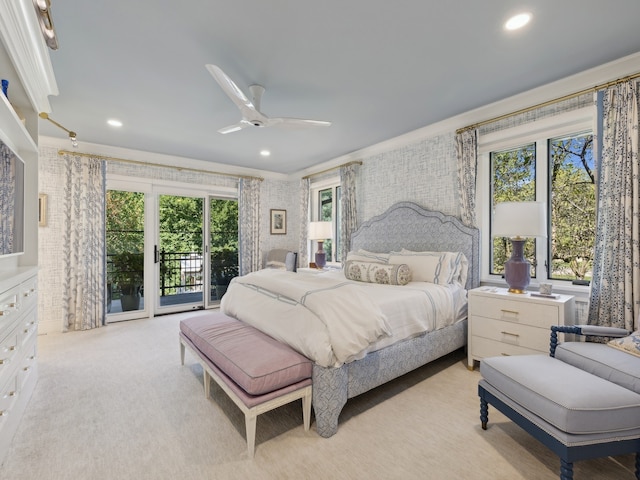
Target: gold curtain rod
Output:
{"points": [[355, 162], [150, 164], [549, 102]]}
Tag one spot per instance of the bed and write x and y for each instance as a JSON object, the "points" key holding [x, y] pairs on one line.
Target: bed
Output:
{"points": [[405, 227]]}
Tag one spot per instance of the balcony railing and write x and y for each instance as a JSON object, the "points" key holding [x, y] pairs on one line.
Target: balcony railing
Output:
{"points": [[180, 272]]}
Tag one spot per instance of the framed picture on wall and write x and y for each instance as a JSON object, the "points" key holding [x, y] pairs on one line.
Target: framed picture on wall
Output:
{"points": [[278, 222]]}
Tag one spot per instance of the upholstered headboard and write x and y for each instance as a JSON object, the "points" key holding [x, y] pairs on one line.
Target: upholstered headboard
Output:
{"points": [[408, 225]]}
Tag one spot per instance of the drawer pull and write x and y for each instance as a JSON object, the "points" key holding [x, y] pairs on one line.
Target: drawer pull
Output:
{"points": [[10, 349], [26, 369], [505, 354], [509, 333], [4, 413], [512, 312], [4, 361], [11, 394]]}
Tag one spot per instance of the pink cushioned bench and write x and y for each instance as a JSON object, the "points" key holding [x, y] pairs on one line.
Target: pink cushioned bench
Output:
{"points": [[256, 371]]}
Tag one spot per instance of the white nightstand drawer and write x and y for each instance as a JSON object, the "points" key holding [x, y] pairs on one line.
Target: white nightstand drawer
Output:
{"points": [[511, 333], [529, 313], [484, 347]]}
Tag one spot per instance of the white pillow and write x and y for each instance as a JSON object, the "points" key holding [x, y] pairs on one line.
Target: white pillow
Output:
{"points": [[441, 268], [365, 256]]}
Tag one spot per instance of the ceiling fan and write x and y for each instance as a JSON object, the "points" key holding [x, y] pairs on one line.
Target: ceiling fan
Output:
{"points": [[250, 110]]}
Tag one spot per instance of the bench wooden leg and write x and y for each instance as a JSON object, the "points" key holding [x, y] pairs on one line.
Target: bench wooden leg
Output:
{"points": [[181, 353], [306, 408], [207, 383], [250, 426]]}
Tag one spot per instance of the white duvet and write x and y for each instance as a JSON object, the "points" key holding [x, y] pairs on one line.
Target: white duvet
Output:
{"points": [[332, 320]]}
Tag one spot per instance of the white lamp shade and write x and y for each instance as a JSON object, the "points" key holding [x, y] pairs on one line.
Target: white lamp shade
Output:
{"points": [[320, 230], [520, 219]]}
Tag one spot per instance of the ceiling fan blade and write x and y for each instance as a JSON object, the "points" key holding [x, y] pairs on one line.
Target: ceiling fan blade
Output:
{"points": [[235, 127], [287, 121], [230, 88]]}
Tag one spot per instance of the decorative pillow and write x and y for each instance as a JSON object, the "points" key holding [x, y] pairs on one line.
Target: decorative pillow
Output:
{"points": [[425, 266], [373, 272], [629, 344], [291, 261], [276, 264], [441, 268], [365, 256]]}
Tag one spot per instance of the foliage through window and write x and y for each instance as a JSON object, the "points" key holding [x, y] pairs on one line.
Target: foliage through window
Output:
{"points": [[559, 171], [328, 209]]}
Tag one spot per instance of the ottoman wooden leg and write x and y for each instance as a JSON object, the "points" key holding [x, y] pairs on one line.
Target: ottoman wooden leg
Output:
{"points": [[566, 470], [484, 413]]}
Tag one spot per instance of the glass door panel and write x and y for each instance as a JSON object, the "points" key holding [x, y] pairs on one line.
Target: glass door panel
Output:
{"points": [[223, 245], [125, 254], [179, 252]]}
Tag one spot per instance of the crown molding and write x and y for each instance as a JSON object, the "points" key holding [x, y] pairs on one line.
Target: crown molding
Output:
{"points": [[24, 43]]}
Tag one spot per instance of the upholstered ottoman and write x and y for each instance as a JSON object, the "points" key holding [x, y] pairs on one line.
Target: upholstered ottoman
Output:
{"points": [[256, 371], [576, 414]]}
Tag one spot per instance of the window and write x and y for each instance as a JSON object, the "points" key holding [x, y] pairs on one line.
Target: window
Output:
{"points": [[552, 161], [325, 206]]}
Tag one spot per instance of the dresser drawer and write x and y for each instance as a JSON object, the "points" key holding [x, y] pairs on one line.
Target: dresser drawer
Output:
{"points": [[9, 309], [511, 333], [28, 366], [28, 293], [484, 347], [527, 313], [27, 326], [9, 348], [8, 396]]}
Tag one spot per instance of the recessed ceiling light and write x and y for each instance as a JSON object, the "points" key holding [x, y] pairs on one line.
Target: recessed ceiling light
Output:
{"points": [[114, 123], [265, 153], [517, 21]]}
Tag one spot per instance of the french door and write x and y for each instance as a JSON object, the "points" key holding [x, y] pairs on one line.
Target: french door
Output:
{"points": [[180, 248]]}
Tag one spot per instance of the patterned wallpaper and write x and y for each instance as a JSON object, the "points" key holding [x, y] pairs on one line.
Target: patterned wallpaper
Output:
{"points": [[424, 172]]}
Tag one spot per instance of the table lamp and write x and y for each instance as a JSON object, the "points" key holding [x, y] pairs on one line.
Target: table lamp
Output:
{"points": [[519, 221], [320, 231]]}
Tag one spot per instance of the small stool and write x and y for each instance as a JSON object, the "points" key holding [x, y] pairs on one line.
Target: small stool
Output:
{"points": [[576, 414]]}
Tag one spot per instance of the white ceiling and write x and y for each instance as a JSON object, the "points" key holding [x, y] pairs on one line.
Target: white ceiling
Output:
{"points": [[376, 69]]}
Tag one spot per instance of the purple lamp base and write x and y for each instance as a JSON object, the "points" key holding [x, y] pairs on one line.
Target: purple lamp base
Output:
{"points": [[517, 270], [321, 256]]}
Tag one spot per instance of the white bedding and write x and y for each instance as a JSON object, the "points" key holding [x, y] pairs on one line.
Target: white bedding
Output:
{"points": [[332, 320]]}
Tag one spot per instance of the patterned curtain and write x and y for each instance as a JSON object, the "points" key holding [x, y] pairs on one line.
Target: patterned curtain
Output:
{"points": [[615, 286], [466, 148], [349, 222], [249, 213], [84, 250], [303, 243]]}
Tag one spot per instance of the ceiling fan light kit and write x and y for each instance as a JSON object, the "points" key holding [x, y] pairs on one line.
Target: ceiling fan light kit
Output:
{"points": [[250, 109]]}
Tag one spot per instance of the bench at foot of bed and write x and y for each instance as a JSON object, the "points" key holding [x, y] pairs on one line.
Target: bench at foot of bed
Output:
{"points": [[257, 372]]}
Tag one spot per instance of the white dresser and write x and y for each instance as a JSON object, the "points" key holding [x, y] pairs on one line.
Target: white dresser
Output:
{"points": [[503, 323], [18, 349], [25, 64]]}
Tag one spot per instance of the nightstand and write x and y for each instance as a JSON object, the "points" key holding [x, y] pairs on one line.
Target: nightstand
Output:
{"points": [[503, 323]]}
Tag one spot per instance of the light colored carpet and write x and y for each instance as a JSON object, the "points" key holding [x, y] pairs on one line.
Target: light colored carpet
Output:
{"points": [[115, 403]]}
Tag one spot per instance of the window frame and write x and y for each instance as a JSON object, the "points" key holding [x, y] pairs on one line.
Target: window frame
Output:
{"points": [[332, 182], [538, 132]]}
